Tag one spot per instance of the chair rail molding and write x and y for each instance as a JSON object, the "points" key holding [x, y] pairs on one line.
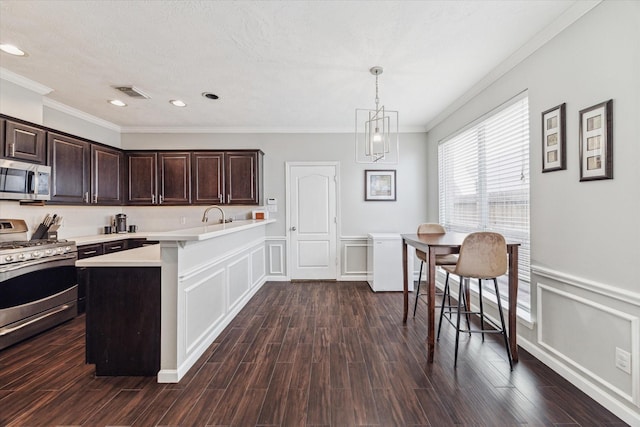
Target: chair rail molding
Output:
{"points": [[589, 285]]}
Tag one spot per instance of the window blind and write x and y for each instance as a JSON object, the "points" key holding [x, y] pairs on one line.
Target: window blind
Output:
{"points": [[484, 182]]}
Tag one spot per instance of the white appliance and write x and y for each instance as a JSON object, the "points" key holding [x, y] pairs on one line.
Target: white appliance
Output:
{"points": [[384, 262]]}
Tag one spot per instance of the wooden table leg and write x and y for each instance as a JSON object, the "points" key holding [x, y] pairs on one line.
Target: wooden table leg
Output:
{"points": [[431, 309], [405, 281], [513, 301]]}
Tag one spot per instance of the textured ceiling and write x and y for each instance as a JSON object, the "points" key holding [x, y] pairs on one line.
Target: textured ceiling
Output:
{"points": [[276, 65]]}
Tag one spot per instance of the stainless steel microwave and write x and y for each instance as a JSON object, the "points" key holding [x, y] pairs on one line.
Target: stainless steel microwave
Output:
{"points": [[24, 181]]}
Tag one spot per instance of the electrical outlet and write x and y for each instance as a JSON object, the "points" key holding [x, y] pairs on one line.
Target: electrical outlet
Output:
{"points": [[623, 360], [183, 220]]}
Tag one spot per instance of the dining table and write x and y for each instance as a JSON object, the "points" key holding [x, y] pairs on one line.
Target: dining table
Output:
{"points": [[449, 243]]}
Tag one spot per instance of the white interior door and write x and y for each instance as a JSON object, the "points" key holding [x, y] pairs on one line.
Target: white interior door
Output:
{"points": [[311, 220]]}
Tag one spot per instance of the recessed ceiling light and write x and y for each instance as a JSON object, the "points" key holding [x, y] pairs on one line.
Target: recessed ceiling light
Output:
{"points": [[210, 95], [178, 103], [13, 50], [117, 103]]}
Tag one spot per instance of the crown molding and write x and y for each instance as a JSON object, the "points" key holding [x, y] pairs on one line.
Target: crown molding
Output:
{"points": [[47, 102], [568, 17], [204, 129], [24, 82]]}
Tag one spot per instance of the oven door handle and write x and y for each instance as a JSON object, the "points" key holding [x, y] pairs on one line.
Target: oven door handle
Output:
{"points": [[6, 331], [20, 268]]}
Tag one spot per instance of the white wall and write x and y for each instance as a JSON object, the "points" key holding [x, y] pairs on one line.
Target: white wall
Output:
{"points": [[358, 217], [584, 235], [17, 101]]}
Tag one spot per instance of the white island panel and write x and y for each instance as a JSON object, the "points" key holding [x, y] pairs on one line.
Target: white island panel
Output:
{"points": [[212, 272]]}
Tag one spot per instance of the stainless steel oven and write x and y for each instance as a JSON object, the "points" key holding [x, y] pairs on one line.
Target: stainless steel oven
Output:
{"points": [[38, 288]]}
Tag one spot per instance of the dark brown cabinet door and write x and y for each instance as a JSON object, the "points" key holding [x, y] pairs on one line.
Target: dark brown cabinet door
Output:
{"points": [[141, 174], [69, 159], [207, 178], [241, 175], [24, 142], [106, 175], [174, 178]]}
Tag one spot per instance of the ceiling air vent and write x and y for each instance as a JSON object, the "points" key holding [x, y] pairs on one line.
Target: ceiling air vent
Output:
{"points": [[132, 91]]}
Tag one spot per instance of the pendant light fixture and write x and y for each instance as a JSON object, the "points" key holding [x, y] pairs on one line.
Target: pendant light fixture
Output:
{"points": [[376, 131]]}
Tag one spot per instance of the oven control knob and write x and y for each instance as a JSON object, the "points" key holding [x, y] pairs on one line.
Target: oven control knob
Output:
{"points": [[8, 258], [21, 257], [67, 248], [48, 252], [36, 254]]}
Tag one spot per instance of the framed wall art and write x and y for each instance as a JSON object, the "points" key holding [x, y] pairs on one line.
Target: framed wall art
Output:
{"points": [[554, 146], [596, 142], [380, 185]]}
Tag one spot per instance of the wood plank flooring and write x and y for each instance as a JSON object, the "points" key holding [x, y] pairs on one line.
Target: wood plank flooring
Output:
{"points": [[299, 354]]}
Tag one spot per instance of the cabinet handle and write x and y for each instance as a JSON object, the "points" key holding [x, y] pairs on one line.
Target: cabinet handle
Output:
{"points": [[13, 149], [112, 248], [228, 198], [153, 199], [86, 197], [161, 197], [88, 252], [220, 198], [95, 198]]}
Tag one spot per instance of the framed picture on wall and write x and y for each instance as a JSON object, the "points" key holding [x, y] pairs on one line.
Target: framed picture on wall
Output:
{"points": [[596, 142], [554, 146], [380, 185]]}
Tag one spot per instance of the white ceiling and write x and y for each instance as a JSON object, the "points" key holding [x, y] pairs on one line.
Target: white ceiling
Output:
{"points": [[276, 65]]}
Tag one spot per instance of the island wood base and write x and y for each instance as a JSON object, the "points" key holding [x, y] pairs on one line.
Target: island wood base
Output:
{"points": [[123, 320]]}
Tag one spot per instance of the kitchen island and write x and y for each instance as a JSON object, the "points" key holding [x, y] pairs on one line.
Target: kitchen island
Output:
{"points": [[207, 275]]}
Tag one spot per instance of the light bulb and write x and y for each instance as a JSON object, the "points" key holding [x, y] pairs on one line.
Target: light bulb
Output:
{"points": [[377, 137]]}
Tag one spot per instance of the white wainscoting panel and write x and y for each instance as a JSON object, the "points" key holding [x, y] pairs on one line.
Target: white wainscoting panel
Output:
{"points": [[276, 255], [239, 280], [205, 305], [257, 266], [585, 334], [354, 260]]}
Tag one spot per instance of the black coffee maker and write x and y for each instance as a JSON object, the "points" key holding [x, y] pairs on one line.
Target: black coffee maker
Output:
{"points": [[121, 223]]}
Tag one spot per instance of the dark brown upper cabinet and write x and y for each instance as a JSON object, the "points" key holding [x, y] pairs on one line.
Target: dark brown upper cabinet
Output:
{"points": [[23, 142], [207, 177], [243, 177], [174, 178], [159, 178], [107, 175], [69, 159], [141, 178], [227, 177], [84, 173]]}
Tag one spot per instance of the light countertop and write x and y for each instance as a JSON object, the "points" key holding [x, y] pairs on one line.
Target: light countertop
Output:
{"points": [[203, 232], [146, 256], [149, 256], [206, 232]]}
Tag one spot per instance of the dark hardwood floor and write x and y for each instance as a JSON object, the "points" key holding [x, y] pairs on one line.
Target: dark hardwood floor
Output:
{"points": [[302, 354]]}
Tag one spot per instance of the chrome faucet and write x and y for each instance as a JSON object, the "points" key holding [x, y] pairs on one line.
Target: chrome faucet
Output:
{"points": [[205, 218]]}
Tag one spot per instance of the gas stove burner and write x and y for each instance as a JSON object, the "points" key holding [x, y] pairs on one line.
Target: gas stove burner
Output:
{"points": [[17, 244], [31, 250]]}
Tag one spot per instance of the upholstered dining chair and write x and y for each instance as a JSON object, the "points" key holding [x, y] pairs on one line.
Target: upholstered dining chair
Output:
{"points": [[482, 256], [431, 228]]}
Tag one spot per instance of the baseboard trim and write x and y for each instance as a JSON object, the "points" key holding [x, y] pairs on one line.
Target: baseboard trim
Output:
{"points": [[627, 414]]}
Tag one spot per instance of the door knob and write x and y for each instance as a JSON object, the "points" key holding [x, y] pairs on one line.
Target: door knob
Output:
{"points": [[293, 228]]}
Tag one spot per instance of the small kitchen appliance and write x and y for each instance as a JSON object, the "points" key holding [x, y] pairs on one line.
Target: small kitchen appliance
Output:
{"points": [[121, 223]]}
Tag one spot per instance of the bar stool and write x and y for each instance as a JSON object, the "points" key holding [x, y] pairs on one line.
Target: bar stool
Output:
{"points": [[482, 256], [432, 228]]}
